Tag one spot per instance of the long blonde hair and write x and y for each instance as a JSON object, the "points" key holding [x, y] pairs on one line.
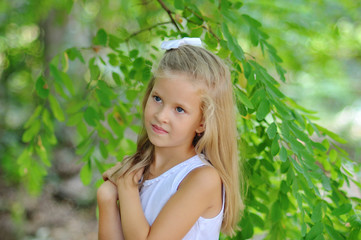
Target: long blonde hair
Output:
{"points": [[219, 140]]}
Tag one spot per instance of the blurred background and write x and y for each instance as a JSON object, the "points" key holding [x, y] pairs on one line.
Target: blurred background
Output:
{"points": [[319, 42]]}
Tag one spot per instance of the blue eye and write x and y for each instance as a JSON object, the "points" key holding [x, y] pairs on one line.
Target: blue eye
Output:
{"points": [[179, 110], [157, 99]]}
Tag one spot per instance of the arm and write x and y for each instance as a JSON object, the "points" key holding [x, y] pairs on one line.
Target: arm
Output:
{"points": [[110, 227], [198, 195]]}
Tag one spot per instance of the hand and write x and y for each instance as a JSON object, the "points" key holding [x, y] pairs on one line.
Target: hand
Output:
{"points": [[130, 179], [107, 192], [109, 174]]}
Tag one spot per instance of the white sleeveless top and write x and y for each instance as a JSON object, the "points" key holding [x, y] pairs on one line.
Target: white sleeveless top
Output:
{"points": [[155, 193]]}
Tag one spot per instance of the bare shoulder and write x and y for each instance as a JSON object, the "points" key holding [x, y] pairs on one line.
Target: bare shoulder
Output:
{"points": [[205, 178], [198, 195]]}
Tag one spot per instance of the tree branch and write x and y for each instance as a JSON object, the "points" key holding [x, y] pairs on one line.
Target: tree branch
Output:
{"points": [[207, 27], [169, 14], [146, 29]]}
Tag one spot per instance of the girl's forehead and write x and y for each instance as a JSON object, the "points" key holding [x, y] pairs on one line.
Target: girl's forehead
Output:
{"points": [[172, 75], [177, 76]]}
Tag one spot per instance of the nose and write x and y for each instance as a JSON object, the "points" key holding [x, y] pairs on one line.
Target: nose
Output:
{"points": [[162, 115]]}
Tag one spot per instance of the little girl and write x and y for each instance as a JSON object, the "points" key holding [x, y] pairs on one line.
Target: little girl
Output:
{"points": [[182, 182]]}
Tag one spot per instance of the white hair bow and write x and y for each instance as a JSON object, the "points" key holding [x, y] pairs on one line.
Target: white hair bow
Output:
{"points": [[173, 44]]}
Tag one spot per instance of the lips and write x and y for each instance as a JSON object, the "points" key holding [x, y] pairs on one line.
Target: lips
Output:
{"points": [[158, 129]]}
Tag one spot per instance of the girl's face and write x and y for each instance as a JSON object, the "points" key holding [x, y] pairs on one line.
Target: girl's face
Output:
{"points": [[172, 113]]}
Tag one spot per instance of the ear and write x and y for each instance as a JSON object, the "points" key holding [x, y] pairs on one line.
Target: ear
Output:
{"points": [[201, 128]]}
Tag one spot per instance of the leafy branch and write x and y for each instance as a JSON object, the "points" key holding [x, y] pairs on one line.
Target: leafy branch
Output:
{"points": [[146, 29], [169, 14], [206, 27]]}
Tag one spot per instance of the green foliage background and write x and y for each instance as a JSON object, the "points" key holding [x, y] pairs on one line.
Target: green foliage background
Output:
{"points": [[84, 64]]}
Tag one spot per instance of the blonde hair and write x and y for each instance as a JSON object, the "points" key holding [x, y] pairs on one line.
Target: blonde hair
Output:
{"points": [[219, 141]]}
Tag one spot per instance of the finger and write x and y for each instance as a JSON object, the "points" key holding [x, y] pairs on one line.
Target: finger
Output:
{"points": [[138, 175], [105, 175], [108, 173]]}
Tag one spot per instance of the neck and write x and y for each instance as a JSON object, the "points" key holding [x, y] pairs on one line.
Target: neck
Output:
{"points": [[166, 158]]}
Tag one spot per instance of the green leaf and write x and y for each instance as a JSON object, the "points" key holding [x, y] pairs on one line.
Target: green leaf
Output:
{"points": [[210, 41], [115, 126], [41, 151], [333, 233], [94, 72], [296, 165], [116, 78], [315, 231], [75, 119], [196, 31], [290, 176], [104, 98], [268, 165], [223, 52], [275, 147], [258, 206], [276, 212], [100, 166], [254, 36], [285, 166], [56, 109], [317, 212], [273, 90], [41, 88], [256, 220], [355, 220], [283, 154], [262, 110], [284, 187], [83, 146], [319, 146], [251, 21], [34, 181], [343, 209], [103, 149], [241, 109], [232, 43], [247, 228], [23, 158], [86, 173], [30, 133], [354, 234], [91, 116], [89, 152], [74, 53], [179, 4], [101, 38], [134, 53], [272, 130], [284, 202], [282, 109], [47, 120], [67, 82], [138, 63], [303, 229], [333, 135], [146, 73], [326, 182], [75, 106], [34, 116], [113, 59], [243, 98], [56, 74]]}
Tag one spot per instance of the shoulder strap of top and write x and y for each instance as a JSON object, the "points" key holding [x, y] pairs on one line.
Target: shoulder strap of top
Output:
{"points": [[197, 161]]}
